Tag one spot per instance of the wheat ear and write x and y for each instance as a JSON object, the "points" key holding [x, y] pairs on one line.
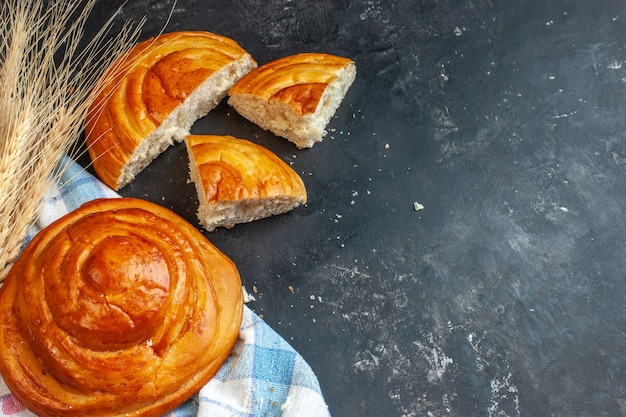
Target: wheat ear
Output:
{"points": [[47, 81]]}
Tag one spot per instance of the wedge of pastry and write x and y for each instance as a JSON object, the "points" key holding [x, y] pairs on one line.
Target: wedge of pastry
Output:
{"points": [[296, 96], [165, 84], [238, 181], [119, 308]]}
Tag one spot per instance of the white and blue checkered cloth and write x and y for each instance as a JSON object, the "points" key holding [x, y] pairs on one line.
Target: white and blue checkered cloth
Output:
{"points": [[264, 377]]}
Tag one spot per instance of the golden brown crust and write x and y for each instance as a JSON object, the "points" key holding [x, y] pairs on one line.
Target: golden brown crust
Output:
{"points": [[299, 80], [236, 169], [118, 308], [157, 75]]}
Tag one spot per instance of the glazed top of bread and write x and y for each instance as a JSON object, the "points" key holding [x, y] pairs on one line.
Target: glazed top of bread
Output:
{"points": [[298, 80], [234, 169], [118, 307], [143, 88]]}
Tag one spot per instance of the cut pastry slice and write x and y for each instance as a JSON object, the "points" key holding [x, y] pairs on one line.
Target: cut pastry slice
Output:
{"points": [[296, 96], [166, 84], [238, 181], [119, 308]]}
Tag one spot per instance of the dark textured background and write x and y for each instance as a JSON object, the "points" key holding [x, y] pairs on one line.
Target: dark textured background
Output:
{"points": [[505, 296]]}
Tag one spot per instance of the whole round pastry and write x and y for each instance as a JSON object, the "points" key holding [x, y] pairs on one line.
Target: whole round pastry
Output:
{"points": [[119, 308]]}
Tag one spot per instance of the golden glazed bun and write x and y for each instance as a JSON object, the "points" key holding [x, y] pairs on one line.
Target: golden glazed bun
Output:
{"points": [[165, 85], [238, 181], [294, 97], [119, 308]]}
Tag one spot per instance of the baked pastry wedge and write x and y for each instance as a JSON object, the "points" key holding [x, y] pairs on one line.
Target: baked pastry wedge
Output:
{"points": [[156, 94], [238, 181], [296, 96], [119, 308]]}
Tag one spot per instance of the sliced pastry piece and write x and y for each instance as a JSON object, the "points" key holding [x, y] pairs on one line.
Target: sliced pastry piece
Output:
{"points": [[296, 96], [165, 84], [238, 181], [119, 308]]}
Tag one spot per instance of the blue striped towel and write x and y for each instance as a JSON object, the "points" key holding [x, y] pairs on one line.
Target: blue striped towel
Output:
{"points": [[264, 376]]}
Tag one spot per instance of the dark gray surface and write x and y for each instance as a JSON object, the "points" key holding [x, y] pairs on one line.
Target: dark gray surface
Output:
{"points": [[505, 295]]}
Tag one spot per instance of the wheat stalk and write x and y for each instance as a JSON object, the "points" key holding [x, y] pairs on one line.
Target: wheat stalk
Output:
{"points": [[47, 83]]}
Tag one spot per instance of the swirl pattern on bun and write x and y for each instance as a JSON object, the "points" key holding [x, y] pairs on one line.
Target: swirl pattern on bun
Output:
{"points": [[119, 308]]}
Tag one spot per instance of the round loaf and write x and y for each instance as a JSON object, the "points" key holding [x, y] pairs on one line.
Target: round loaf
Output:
{"points": [[151, 98], [295, 96], [119, 308]]}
